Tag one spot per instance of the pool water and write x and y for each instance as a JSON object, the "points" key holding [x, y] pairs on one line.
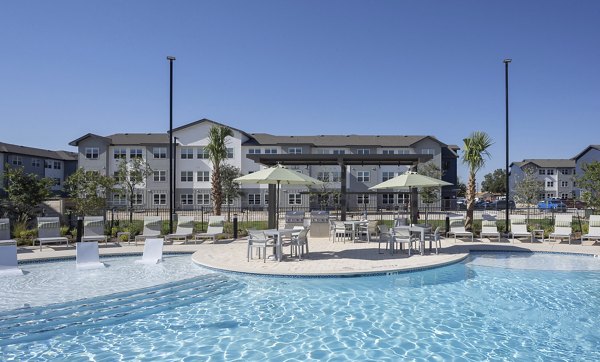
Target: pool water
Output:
{"points": [[476, 310]]}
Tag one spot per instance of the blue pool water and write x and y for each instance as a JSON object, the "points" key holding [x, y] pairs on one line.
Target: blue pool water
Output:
{"points": [[491, 307]]}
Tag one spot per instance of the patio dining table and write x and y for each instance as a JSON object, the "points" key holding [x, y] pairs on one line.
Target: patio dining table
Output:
{"points": [[422, 229], [355, 225], [278, 234]]}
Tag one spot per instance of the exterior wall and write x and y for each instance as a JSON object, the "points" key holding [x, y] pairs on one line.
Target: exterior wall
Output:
{"points": [[555, 190], [590, 156], [101, 164]]}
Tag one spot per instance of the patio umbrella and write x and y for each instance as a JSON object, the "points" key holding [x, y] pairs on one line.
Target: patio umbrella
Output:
{"points": [[409, 180], [278, 175]]}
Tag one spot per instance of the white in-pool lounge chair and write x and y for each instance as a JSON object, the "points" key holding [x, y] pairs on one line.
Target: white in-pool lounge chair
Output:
{"points": [[594, 230], [489, 227], [5, 233], [153, 251], [457, 228], [49, 231], [152, 228], [93, 229], [87, 255], [518, 228], [562, 227], [184, 231], [214, 229], [8, 260]]}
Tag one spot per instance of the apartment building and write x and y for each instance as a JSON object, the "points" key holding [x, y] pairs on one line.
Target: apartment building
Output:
{"points": [[193, 169], [557, 176], [57, 165], [590, 154]]}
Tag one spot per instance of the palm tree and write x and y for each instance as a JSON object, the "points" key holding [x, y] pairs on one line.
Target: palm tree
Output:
{"points": [[217, 152], [474, 150]]}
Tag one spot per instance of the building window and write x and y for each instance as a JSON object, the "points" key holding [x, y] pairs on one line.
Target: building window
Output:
{"points": [[187, 153], [270, 151], [362, 199], [203, 176], [564, 184], [187, 176], [17, 160], [295, 150], [138, 199], [549, 183], [542, 171], [135, 153], [266, 199], [119, 153], [229, 152], [294, 199], [323, 176], [160, 175], [565, 171], [119, 199], [35, 162], [159, 152], [403, 151], [387, 152], [322, 151], [549, 196], [202, 153], [254, 151], [253, 199], [92, 153], [47, 164], [56, 165], [386, 175], [363, 176], [564, 196], [159, 199], [363, 151], [339, 152], [186, 199], [387, 199], [335, 176], [427, 151], [203, 199], [56, 181], [549, 172]]}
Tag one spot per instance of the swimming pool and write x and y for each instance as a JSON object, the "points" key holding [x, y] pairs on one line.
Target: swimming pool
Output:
{"points": [[474, 310]]}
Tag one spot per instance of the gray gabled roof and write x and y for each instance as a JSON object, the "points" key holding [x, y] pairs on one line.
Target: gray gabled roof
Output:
{"points": [[89, 135], [596, 147], [547, 163], [203, 120], [340, 140], [37, 152], [139, 138]]}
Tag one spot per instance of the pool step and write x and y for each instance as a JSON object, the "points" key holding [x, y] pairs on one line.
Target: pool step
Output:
{"points": [[30, 324]]}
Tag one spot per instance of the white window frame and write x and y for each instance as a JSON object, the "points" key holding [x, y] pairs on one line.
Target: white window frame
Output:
{"points": [[186, 199], [549, 183], [92, 153], [295, 150], [270, 151], [362, 199], [230, 153], [335, 176], [388, 152], [427, 151], [203, 176], [203, 199], [136, 153], [159, 175], [159, 152], [186, 176], [187, 153], [36, 162], [254, 199], [138, 199], [294, 199], [120, 153], [202, 153], [564, 184], [363, 151], [57, 165], [159, 198], [388, 199], [363, 176], [254, 151], [387, 175], [338, 152]]}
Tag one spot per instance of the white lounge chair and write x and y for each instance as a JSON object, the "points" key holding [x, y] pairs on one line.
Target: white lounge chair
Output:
{"points": [[489, 227], [457, 228], [87, 255], [214, 229], [184, 231], [152, 228], [49, 231], [153, 251], [402, 235], [562, 227], [8, 260], [257, 239], [5, 233], [93, 229], [593, 231], [518, 228]]}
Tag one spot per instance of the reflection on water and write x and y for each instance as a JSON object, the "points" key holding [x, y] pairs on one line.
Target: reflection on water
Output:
{"points": [[457, 273], [535, 261]]}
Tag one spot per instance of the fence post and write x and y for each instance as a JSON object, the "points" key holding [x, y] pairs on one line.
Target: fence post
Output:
{"points": [[235, 226]]}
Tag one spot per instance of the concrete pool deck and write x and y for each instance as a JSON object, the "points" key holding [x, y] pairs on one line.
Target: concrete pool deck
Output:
{"points": [[326, 257]]}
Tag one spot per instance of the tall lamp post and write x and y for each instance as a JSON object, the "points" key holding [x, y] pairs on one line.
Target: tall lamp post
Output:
{"points": [[506, 61], [171, 159]]}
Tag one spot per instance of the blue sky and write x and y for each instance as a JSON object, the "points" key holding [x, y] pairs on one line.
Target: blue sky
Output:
{"points": [[305, 67]]}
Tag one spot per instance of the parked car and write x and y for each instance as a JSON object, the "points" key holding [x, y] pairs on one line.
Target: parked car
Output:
{"points": [[483, 205], [461, 204], [552, 204], [501, 205], [577, 204]]}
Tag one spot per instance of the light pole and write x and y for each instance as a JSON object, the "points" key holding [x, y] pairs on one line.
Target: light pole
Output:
{"points": [[506, 61], [171, 159]]}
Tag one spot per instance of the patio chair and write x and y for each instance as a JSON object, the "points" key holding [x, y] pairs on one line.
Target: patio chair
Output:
{"points": [[257, 239], [435, 238], [401, 221], [214, 229], [5, 233], [184, 231], [153, 251], [341, 230], [562, 227], [594, 230], [489, 227], [457, 228], [299, 242], [385, 236], [402, 235], [93, 229], [152, 228], [87, 255], [8, 260], [367, 230], [518, 228], [49, 231]]}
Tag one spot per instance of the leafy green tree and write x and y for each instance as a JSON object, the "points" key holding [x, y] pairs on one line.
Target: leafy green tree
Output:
{"points": [[88, 190], [231, 190], [462, 189], [217, 153], [26, 191], [589, 183], [528, 188], [474, 149], [429, 195], [495, 182], [131, 175]]}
